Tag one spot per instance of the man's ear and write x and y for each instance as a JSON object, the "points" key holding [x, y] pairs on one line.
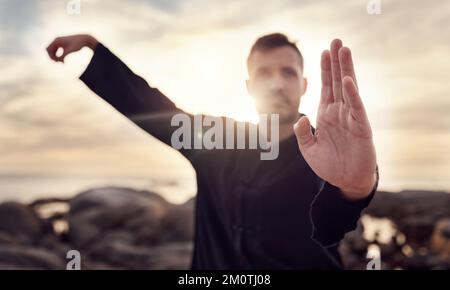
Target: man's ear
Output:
{"points": [[304, 86]]}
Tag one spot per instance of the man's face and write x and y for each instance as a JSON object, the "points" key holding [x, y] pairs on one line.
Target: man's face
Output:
{"points": [[276, 82]]}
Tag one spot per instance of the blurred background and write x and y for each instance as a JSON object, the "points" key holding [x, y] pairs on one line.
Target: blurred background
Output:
{"points": [[58, 139]]}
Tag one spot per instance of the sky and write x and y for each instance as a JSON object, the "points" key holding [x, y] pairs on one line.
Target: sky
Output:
{"points": [[195, 51]]}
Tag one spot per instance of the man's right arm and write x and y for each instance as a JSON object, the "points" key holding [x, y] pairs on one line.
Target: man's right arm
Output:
{"points": [[131, 95]]}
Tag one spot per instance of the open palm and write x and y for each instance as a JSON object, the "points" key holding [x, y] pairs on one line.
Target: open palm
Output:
{"points": [[341, 151]]}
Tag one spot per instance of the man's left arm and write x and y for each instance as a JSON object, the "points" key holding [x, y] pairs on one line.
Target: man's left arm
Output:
{"points": [[333, 214], [341, 151]]}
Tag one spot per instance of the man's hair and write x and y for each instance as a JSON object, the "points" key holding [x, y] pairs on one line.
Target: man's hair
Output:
{"points": [[272, 41]]}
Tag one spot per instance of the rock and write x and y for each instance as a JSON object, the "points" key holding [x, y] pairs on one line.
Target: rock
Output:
{"points": [[350, 259], [388, 250], [121, 254], [145, 227], [398, 260], [113, 196], [25, 257], [95, 212], [124, 255], [417, 229], [172, 256], [400, 205], [112, 228], [415, 215], [124, 229], [89, 264], [21, 222], [440, 240], [178, 224], [54, 244], [120, 228], [7, 239]]}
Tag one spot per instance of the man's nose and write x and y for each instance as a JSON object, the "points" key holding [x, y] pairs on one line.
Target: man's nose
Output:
{"points": [[276, 82]]}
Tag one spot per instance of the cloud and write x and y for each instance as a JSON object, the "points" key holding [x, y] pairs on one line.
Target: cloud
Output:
{"points": [[17, 18], [401, 57]]}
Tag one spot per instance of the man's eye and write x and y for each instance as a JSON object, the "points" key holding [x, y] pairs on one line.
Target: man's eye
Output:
{"points": [[263, 73], [289, 73]]}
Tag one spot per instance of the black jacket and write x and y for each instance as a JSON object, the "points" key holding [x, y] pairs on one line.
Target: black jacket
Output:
{"points": [[250, 214]]}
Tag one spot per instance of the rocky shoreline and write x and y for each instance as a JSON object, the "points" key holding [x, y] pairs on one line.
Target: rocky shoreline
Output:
{"points": [[121, 228]]}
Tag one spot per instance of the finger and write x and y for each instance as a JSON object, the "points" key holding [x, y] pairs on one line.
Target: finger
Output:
{"points": [[354, 100], [336, 70], [346, 61], [327, 90], [66, 51], [303, 133], [52, 49]]}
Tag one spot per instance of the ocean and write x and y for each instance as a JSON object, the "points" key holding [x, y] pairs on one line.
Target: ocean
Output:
{"points": [[29, 188]]}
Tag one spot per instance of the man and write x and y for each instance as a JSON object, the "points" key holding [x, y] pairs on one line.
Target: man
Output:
{"points": [[286, 213]]}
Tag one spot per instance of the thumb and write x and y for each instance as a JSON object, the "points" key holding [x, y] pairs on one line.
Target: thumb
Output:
{"points": [[303, 132], [63, 55], [66, 51]]}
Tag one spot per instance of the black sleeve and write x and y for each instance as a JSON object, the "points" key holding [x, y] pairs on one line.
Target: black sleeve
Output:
{"points": [[333, 215], [147, 107]]}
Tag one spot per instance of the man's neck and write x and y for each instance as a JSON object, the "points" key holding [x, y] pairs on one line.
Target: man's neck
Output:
{"points": [[286, 130]]}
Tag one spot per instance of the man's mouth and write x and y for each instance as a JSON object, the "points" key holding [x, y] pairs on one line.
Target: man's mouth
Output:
{"points": [[279, 99], [279, 102]]}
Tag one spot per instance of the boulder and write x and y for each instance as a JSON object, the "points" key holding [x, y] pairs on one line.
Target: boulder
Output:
{"points": [[440, 240], [19, 223], [178, 224], [96, 212], [27, 257]]}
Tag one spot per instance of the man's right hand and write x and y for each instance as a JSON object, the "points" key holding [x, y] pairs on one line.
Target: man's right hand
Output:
{"points": [[69, 44]]}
